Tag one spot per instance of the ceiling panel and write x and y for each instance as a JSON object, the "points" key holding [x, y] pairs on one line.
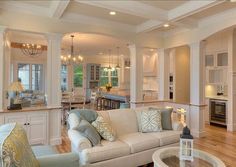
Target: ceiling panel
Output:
{"points": [[214, 10], [88, 45], [41, 3], [88, 10], [164, 4]]}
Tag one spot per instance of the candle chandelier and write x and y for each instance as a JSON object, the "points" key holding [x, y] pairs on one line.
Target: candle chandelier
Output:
{"points": [[71, 59], [31, 50]]}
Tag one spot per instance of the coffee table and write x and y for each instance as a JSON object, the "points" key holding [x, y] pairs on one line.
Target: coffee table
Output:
{"points": [[169, 157]]}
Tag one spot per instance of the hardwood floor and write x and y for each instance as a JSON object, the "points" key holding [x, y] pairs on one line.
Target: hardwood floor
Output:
{"points": [[218, 142]]}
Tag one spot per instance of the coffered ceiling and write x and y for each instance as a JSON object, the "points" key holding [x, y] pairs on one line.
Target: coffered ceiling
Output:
{"points": [[137, 16], [132, 16]]}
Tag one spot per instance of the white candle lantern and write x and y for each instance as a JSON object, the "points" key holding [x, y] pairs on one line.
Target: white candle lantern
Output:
{"points": [[186, 145]]}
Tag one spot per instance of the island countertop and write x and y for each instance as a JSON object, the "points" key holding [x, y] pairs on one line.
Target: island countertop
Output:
{"points": [[31, 109]]}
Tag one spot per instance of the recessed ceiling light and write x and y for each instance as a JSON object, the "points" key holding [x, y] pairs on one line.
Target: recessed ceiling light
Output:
{"points": [[166, 25], [112, 13]]}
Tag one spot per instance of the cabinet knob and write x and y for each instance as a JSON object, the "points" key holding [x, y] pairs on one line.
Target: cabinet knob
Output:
{"points": [[28, 124], [25, 124]]}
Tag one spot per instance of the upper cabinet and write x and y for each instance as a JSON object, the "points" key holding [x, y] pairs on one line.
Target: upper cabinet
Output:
{"points": [[216, 68], [209, 60], [94, 72], [222, 59], [219, 59]]}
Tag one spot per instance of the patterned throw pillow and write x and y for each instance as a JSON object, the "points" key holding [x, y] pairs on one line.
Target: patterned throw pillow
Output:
{"points": [[104, 129], [15, 149], [151, 121]]}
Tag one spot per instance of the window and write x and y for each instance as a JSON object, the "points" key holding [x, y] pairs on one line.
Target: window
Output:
{"points": [[24, 75], [109, 76], [104, 77], [114, 78], [64, 73], [78, 75], [31, 76]]}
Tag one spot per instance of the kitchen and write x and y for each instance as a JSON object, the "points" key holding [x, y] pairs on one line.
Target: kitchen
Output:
{"points": [[216, 78]]}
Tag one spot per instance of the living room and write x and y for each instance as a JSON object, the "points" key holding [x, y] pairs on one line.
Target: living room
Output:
{"points": [[67, 64]]}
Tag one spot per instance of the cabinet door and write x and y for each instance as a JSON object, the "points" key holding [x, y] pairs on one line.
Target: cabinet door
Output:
{"points": [[37, 128], [209, 60], [92, 73], [97, 73], [222, 59], [215, 76], [19, 118]]}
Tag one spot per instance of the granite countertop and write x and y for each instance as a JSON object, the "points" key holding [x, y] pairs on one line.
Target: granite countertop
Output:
{"points": [[29, 109], [218, 97]]}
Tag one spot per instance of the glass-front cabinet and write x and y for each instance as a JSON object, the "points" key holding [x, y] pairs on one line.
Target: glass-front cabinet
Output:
{"points": [[216, 68]]}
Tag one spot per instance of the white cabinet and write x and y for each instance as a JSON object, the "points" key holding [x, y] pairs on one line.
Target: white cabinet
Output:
{"points": [[42, 125], [35, 125], [217, 68]]}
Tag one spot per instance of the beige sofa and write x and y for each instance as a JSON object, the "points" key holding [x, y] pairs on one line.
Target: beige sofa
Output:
{"points": [[131, 149]]}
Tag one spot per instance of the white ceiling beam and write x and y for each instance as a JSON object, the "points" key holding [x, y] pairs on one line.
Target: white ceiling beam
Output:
{"points": [[188, 23], [58, 8], [147, 26], [130, 7], [190, 8]]}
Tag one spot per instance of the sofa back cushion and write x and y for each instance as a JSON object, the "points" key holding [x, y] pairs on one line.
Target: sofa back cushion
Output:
{"points": [[124, 121], [87, 114], [15, 149]]}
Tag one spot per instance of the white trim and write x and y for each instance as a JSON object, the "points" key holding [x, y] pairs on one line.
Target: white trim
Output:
{"points": [[58, 8]]}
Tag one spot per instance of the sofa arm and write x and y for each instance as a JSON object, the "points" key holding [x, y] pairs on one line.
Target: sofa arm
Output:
{"points": [[59, 160], [78, 142], [177, 126]]}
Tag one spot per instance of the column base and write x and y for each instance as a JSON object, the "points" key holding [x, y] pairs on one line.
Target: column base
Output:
{"points": [[198, 134], [231, 127]]}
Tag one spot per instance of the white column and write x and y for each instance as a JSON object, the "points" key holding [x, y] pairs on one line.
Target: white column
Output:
{"points": [[136, 75], [197, 108], [53, 81], [163, 73], [2, 46], [231, 109]]}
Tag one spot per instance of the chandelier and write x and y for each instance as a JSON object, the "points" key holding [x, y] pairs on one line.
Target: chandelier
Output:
{"points": [[71, 59], [118, 60], [31, 50]]}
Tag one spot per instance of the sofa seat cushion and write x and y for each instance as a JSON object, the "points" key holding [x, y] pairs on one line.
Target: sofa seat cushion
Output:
{"points": [[140, 141], [167, 137], [107, 150]]}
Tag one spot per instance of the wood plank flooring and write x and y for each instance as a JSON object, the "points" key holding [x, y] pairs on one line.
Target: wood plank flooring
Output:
{"points": [[218, 142]]}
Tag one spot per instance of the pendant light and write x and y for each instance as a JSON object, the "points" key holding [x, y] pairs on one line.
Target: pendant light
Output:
{"points": [[118, 60], [109, 67]]}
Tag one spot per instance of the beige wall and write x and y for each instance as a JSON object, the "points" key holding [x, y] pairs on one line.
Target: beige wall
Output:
{"points": [[182, 74]]}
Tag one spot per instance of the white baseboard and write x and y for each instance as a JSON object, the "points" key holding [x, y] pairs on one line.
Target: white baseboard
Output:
{"points": [[198, 134], [231, 127]]}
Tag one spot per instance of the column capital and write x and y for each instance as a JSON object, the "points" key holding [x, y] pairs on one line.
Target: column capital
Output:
{"points": [[3, 29], [54, 36]]}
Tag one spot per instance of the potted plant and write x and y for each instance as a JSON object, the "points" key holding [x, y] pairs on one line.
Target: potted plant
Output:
{"points": [[108, 87]]}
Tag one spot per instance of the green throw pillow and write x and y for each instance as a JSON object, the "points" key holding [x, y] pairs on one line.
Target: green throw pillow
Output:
{"points": [[166, 120], [88, 131], [86, 114], [15, 149]]}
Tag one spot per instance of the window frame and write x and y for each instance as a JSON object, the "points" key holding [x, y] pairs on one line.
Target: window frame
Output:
{"points": [[73, 84], [67, 72], [16, 72], [110, 77]]}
